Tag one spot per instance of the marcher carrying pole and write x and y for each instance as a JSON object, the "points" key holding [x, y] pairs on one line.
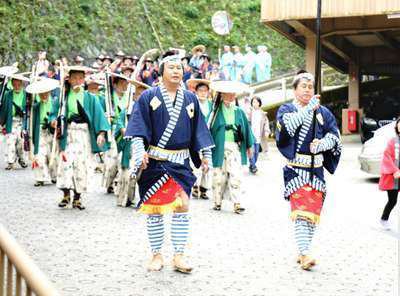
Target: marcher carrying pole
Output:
{"points": [[317, 78]]}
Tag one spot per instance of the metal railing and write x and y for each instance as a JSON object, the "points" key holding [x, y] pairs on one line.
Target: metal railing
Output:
{"points": [[284, 82], [18, 273], [277, 91]]}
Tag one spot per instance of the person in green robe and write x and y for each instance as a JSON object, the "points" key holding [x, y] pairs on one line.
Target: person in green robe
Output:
{"points": [[83, 134], [201, 87], [233, 140], [13, 121], [44, 107], [95, 86], [126, 185], [119, 104]]}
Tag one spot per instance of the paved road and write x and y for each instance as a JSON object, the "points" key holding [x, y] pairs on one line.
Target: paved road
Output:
{"points": [[103, 250]]}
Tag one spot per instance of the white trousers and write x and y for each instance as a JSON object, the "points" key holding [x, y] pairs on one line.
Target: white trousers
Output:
{"points": [[15, 143], [74, 171], [228, 178], [43, 172]]}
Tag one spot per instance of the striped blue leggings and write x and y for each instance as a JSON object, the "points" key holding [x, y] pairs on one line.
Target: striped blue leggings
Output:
{"points": [[303, 233], [179, 232]]}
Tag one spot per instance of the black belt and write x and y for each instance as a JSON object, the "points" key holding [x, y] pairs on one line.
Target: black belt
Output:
{"points": [[76, 119]]}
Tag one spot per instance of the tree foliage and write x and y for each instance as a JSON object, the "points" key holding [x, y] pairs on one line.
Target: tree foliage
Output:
{"points": [[91, 27]]}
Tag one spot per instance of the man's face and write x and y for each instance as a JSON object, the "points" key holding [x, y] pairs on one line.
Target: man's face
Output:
{"points": [[304, 90], [202, 92], [127, 72], [227, 48], [237, 49], [122, 85], [173, 72], [44, 96], [17, 85], [76, 79], [93, 88], [228, 97], [128, 62]]}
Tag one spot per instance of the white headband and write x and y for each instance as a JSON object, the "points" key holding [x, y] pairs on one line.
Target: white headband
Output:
{"points": [[171, 58], [304, 75]]}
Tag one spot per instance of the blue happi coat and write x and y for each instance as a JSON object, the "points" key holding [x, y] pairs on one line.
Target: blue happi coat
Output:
{"points": [[165, 124], [293, 138]]}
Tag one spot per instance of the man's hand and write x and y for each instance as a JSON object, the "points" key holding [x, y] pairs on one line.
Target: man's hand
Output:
{"points": [[315, 102], [249, 152], [63, 156], [145, 161], [204, 165], [396, 175], [123, 130], [313, 146], [101, 140], [53, 124]]}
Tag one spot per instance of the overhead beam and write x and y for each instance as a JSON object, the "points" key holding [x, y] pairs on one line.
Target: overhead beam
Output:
{"points": [[327, 55], [306, 31], [388, 41], [359, 24], [357, 31]]}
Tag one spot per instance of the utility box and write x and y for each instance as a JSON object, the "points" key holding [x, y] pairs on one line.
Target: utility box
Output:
{"points": [[350, 121]]}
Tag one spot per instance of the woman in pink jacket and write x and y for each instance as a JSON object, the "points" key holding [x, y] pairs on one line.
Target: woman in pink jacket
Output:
{"points": [[390, 175]]}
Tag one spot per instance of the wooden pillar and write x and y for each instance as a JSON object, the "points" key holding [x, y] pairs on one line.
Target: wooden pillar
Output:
{"points": [[310, 53], [353, 98], [354, 86]]}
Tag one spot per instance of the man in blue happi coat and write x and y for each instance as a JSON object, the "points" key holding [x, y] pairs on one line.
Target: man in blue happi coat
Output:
{"points": [[167, 128]]}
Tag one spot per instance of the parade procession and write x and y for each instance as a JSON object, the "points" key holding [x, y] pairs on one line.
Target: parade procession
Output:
{"points": [[238, 171]]}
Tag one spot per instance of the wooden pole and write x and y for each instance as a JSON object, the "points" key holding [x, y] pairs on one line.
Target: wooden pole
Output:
{"points": [[317, 78]]}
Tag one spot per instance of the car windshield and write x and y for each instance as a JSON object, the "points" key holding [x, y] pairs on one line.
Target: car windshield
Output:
{"points": [[386, 131]]}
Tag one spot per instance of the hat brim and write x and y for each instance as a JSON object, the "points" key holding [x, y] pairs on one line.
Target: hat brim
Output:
{"points": [[8, 70], [42, 85], [80, 69], [139, 84], [98, 82], [200, 47], [192, 83], [21, 77], [231, 87]]}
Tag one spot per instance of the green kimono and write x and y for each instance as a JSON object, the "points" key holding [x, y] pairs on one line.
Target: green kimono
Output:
{"points": [[123, 145], [94, 115], [218, 134], [102, 100], [119, 104], [7, 110], [210, 106], [40, 121]]}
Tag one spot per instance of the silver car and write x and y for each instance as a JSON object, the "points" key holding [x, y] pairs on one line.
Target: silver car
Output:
{"points": [[372, 150]]}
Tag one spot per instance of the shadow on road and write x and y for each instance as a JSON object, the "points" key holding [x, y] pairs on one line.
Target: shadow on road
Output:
{"points": [[374, 180]]}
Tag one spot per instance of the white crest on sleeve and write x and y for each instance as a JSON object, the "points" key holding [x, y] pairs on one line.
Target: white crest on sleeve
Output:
{"points": [[190, 110], [155, 103]]}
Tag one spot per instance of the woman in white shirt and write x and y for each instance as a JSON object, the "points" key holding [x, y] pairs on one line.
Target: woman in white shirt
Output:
{"points": [[260, 128]]}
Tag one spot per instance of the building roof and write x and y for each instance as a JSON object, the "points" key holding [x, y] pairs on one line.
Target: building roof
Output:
{"points": [[363, 31]]}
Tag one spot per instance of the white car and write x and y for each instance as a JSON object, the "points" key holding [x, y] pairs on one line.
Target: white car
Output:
{"points": [[372, 150]]}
